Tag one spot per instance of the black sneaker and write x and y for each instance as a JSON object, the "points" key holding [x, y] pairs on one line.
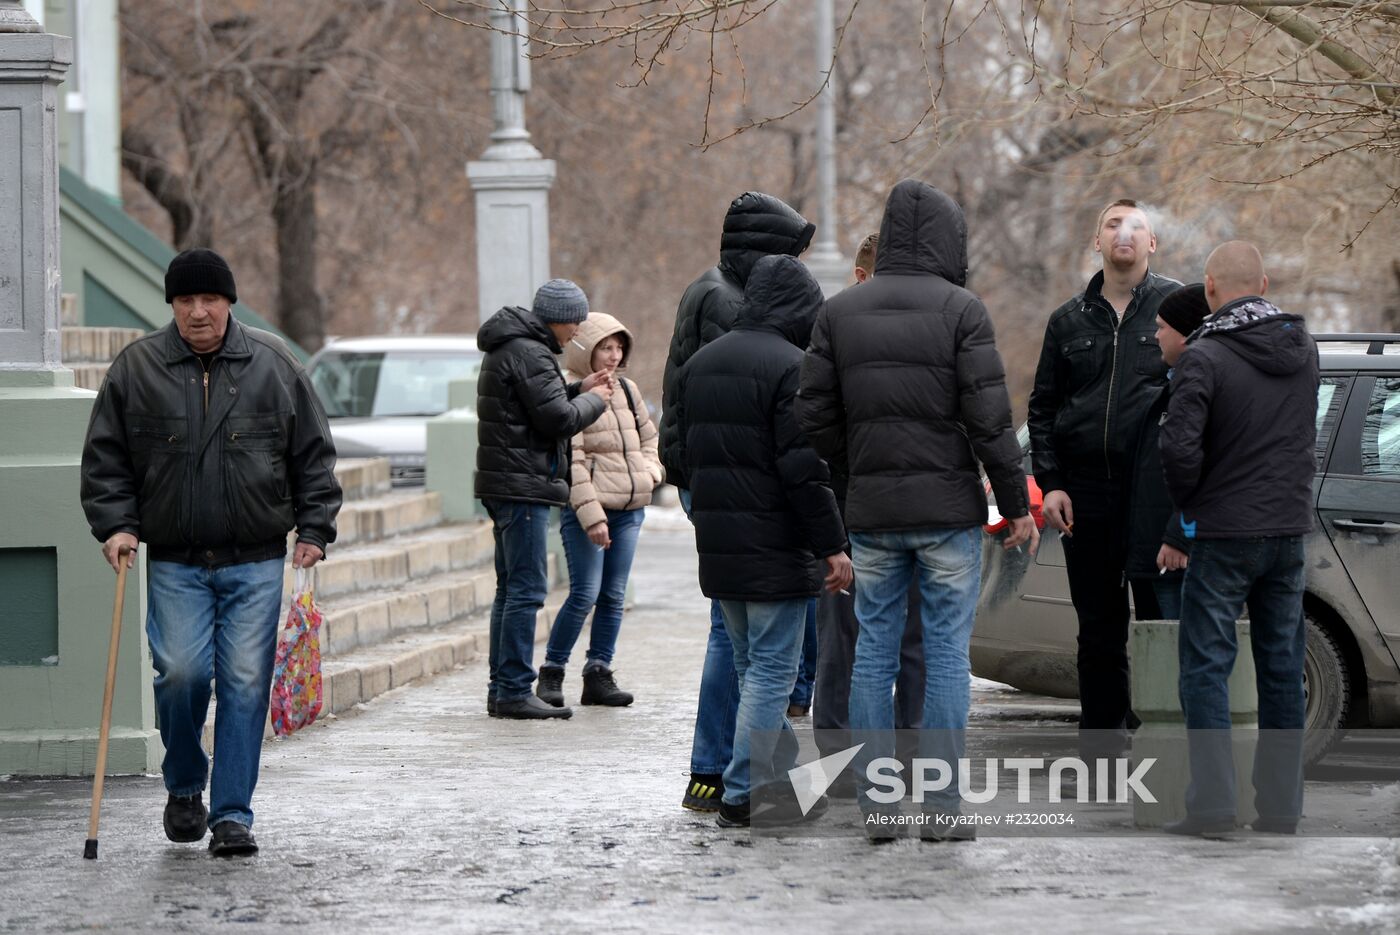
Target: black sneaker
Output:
{"points": [[530, 708], [599, 687], [704, 792], [1194, 826], [230, 839], [490, 706], [186, 818], [550, 687], [733, 816], [779, 809]]}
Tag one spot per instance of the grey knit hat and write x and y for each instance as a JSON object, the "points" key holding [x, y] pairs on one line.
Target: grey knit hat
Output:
{"points": [[561, 301]]}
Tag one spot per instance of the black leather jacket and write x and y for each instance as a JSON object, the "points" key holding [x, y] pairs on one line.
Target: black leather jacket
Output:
{"points": [[1096, 378], [216, 482]]}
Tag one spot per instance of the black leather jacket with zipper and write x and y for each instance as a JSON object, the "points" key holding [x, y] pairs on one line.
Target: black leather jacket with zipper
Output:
{"points": [[1096, 378], [210, 467]]}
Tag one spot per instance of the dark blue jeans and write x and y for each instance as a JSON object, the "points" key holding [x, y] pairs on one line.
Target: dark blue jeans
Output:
{"points": [[597, 582], [807, 671], [522, 583], [712, 747], [1223, 578], [219, 625]]}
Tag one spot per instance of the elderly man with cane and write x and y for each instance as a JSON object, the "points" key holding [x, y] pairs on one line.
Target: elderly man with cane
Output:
{"points": [[208, 444]]}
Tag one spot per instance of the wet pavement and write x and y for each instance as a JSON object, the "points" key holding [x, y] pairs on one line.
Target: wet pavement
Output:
{"points": [[420, 814]]}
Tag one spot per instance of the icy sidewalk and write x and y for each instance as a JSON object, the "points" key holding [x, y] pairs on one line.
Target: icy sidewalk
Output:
{"points": [[420, 814]]}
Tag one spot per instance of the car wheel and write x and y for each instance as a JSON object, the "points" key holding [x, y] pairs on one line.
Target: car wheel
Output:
{"points": [[1327, 690]]}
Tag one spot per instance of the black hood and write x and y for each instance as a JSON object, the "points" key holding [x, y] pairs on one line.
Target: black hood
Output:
{"points": [[923, 232], [781, 296], [514, 322], [1272, 341], [759, 225]]}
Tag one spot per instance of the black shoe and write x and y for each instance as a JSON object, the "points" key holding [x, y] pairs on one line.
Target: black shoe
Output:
{"points": [[882, 825], [1192, 825], [231, 839], [704, 792], [733, 816], [599, 687], [946, 827], [491, 706], [1274, 825], [186, 819], [550, 688], [779, 808], [530, 708]]}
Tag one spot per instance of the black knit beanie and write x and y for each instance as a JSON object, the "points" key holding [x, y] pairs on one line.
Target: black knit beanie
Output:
{"points": [[1185, 308], [199, 272]]}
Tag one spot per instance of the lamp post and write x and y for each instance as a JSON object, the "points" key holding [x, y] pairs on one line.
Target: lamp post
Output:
{"points": [[830, 268]]}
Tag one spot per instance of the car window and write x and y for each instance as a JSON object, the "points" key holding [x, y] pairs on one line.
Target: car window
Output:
{"points": [[1329, 404], [1380, 435], [379, 384]]}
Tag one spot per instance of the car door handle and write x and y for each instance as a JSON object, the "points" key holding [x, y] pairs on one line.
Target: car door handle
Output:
{"points": [[1374, 527]]}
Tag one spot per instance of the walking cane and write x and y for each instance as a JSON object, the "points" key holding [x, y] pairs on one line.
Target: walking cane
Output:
{"points": [[104, 734]]}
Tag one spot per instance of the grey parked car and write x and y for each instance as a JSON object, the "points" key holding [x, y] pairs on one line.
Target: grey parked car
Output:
{"points": [[380, 392], [1026, 628]]}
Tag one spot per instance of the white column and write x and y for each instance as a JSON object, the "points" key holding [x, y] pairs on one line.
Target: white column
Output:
{"points": [[32, 64], [511, 179], [831, 270]]}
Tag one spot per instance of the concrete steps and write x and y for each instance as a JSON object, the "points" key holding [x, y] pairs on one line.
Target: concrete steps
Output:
{"points": [[90, 351], [403, 595]]}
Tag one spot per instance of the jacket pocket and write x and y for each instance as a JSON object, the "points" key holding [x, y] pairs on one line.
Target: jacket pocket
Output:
{"points": [[1149, 357], [159, 448], [256, 482]]}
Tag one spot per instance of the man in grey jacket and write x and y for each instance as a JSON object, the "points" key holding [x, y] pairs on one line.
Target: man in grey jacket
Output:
{"points": [[208, 444], [1237, 449]]}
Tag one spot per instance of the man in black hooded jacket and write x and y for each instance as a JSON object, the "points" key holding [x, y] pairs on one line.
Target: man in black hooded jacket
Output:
{"points": [[756, 225], [1237, 448], [762, 506], [903, 386]]}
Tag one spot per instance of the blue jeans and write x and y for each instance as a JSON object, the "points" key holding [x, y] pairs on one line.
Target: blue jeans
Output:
{"points": [[807, 672], [1168, 590], [767, 640], [597, 579], [219, 625], [522, 583], [948, 563], [712, 747], [1223, 577]]}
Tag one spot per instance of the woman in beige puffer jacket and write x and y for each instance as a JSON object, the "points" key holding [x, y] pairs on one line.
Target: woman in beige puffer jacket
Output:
{"points": [[615, 469]]}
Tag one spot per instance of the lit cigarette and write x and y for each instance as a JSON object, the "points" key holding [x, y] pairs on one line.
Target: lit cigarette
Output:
{"points": [[1162, 571], [574, 342], [845, 592]]}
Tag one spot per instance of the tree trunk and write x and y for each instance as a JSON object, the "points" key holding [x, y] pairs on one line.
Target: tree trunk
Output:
{"points": [[300, 305]]}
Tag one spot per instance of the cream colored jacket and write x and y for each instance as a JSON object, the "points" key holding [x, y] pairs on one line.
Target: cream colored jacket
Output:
{"points": [[615, 465]]}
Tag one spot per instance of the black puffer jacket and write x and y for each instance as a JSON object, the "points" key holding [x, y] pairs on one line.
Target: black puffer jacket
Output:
{"points": [[757, 225], [212, 479], [903, 384], [761, 498], [526, 413], [1237, 443], [1152, 517], [1095, 379]]}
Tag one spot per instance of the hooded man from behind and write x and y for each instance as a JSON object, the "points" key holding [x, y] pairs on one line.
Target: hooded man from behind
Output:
{"points": [[903, 386], [763, 509], [1237, 448], [756, 225]]}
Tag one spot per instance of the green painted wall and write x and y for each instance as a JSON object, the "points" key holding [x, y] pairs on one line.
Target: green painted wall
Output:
{"points": [[29, 611]]}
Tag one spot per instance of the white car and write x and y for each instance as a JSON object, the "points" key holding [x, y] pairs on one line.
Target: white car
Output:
{"points": [[379, 393]]}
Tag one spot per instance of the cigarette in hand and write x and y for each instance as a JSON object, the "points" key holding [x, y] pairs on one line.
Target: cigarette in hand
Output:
{"points": [[845, 592]]}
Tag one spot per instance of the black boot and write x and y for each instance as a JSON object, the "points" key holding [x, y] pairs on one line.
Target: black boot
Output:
{"points": [[599, 687], [530, 708], [550, 688], [185, 818]]}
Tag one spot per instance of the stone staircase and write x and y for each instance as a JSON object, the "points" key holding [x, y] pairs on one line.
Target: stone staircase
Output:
{"points": [[404, 595], [90, 351]]}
